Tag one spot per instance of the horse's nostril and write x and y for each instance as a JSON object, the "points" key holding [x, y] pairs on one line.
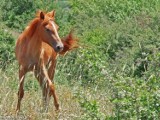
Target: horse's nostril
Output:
{"points": [[58, 47]]}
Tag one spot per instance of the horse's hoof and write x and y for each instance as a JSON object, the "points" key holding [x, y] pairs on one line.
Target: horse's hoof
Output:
{"points": [[57, 111], [16, 113], [57, 114]]}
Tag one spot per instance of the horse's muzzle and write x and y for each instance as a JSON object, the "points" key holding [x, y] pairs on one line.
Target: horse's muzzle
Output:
{"points": [[59, 48]]}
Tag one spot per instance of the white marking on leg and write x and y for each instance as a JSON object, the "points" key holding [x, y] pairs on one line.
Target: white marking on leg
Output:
{"points": [[21, 67], [21, 80]]}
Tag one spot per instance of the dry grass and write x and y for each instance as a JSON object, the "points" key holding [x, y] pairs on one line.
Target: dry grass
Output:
{"points": [[31, 108]]}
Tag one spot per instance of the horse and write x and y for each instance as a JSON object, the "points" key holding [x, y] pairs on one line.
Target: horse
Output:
{"points": [[37, 49]]}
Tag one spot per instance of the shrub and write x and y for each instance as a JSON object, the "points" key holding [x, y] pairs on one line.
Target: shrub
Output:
{"points": [[90, 108], [136, 98], [16, 13], [6, 48]]}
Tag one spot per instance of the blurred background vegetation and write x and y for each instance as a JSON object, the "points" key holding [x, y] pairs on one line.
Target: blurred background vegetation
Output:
{"points": [[119, 57]]}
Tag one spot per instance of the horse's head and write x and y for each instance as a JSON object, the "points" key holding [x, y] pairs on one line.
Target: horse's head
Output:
{"points": [[49, 30]]}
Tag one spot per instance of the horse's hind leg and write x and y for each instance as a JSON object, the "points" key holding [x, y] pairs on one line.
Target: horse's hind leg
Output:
{"points": [[22, 73]]}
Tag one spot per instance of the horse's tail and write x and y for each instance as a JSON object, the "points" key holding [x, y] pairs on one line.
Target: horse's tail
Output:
{"points": [[69, 43]]}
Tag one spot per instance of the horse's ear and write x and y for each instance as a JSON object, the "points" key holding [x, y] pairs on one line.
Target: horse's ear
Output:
{"points": [[52, 13], [41, 15]]}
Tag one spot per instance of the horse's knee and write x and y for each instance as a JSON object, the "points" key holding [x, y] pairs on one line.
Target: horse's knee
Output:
{"points": [[51, 86]]}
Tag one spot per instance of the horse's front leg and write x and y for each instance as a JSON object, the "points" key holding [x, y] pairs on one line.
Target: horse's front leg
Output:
{"points": [[51, 71], [44, 86], [53, 93], [46, 96], [50, 84], [22, 73]]}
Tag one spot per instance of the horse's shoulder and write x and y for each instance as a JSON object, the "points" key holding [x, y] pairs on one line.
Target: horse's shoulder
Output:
{"points": [[48, 51]]}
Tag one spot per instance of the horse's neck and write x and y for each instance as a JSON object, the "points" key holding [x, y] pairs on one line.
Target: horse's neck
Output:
{"points": [[34, 45]]}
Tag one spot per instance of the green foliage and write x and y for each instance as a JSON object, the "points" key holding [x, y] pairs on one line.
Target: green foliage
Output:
{"points": [[15, 13], [90, 108], [6, 49], [122, 36], [136, 98], [115, 10]]}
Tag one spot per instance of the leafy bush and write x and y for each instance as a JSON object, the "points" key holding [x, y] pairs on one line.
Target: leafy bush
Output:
{"points": [[136, 98], [6, 48], [113, 9], [90, 107], [16, 13]]}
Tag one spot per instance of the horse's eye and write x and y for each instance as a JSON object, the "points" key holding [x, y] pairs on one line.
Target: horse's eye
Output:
{"points": [[47, 29]]}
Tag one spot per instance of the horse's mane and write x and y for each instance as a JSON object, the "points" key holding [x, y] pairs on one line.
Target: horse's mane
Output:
{"points": [[31, 28]]}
